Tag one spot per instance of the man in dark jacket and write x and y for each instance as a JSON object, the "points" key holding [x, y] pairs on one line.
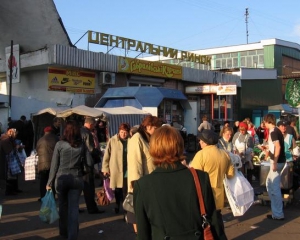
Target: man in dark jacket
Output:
{"points": [[7, 145], [45, 147], [89, 183]]}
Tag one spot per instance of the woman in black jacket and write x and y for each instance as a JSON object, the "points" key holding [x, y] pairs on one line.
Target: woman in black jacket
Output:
{"points": [[67, 171], [165, 201]]}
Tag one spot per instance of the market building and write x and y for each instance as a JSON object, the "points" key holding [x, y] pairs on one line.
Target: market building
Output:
{"points": [[48, 71], [225, 83]]}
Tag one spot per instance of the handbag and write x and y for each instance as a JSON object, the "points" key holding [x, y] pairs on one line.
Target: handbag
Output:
{"points": [[48, 212], [13, 164], [207, 234], [108, 191], [128, 203], [102, 199], [239, 193]]}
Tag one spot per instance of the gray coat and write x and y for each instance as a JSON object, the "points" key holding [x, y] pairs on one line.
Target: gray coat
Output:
{"points": [[66, 160]]}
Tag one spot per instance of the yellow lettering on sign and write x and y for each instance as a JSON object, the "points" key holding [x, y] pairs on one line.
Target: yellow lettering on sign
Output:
{"points": [[90, 37], [104, 39], [131, 44], [113, 41], [139, 47], [169, 52]]}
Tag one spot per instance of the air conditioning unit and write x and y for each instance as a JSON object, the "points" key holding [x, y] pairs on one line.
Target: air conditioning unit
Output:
{"points": [[107, 78]]}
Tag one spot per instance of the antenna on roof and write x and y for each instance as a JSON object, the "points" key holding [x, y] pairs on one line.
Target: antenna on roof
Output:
{"points": [[246, 21]]}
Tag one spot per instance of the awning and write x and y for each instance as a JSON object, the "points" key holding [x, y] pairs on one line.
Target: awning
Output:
{"points": [[144, 96], [284, 108], [113, 116]]}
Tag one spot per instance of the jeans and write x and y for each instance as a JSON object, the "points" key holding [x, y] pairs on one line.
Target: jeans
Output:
{"points": [[68, 190], [274, 191]]}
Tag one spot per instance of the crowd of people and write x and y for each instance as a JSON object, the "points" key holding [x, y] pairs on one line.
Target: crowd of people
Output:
{"points": [[149, 161]]}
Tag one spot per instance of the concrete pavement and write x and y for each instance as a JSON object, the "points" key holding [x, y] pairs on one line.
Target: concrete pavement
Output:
{"points": [[20, 220]]}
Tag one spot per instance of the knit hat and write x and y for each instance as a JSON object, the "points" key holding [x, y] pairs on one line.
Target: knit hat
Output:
{"points": [[209, 137], [244, 125], [47, 129]]}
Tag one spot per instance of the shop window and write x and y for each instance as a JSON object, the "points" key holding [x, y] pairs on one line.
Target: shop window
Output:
{"points": [[170, 111], [222, 107]]}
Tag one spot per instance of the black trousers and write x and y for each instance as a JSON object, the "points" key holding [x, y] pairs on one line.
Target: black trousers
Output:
{"points": [[120, 193], [12, 185], [89, 192], [44, 175]]}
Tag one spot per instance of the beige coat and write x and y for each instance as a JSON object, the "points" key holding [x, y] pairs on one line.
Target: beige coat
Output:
{"points": [[139, 161], [113, 162], [216, 163]]}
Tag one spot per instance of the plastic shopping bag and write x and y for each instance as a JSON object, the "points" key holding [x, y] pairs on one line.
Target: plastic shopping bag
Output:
{"points": [[239, 193], [108, 191], [13, 164], [48, 211]]}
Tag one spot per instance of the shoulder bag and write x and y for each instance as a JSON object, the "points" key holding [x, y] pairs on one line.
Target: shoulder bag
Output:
{"points": [[102, 199], [128, 203], [207, 234]]}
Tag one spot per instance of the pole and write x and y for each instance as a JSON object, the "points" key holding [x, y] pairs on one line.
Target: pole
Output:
{"points": [[10, 77], [246, 20]]}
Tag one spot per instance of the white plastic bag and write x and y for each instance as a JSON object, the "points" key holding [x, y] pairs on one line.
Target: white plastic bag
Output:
{"points": [[235, 160], [239, 193], [30, 167]]}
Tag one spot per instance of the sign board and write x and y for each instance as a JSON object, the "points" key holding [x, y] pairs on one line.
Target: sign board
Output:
{"points": [[14, 61], [68, 80], [212, 89], [226, 90], [150, 68], [144, 47]]}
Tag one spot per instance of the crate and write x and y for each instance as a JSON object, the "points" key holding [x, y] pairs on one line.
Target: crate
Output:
{"points": [[286, 198]]}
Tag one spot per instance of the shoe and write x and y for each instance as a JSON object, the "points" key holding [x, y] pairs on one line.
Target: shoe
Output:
{"points": [[80, 210], [97, 211], [11, 193], [117, 210], [269, 216]]}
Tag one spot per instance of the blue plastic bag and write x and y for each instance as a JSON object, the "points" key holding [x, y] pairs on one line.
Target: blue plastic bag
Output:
{"points": [[48, 211]]}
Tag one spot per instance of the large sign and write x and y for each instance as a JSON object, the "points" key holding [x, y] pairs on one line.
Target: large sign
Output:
{"points": [[139, 46], [13, 63], [157, 69], [212, 89], [68, 80]]}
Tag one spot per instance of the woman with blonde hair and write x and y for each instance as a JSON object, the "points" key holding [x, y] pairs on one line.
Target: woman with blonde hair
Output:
{"points": [[225, 139], [139, 160], [157, 216]]}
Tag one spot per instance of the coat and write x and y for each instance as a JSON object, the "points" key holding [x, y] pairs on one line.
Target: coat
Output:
{"points": [[166, 204], [113, 162], [139, 160], [44, 148], [6, 146], [216, 163]]}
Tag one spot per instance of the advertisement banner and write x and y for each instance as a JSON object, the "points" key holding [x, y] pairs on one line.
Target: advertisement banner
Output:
{"points": [[212, 89], [69, 80], [13, 62], [226, 90], [141, 67]]}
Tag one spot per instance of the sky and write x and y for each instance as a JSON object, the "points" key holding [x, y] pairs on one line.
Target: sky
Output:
{"points": [[181, 24]]}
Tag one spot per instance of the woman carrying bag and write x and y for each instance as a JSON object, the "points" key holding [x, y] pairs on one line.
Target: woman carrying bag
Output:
{"points": [[67, 171], [114, 163], [166, 202]]}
